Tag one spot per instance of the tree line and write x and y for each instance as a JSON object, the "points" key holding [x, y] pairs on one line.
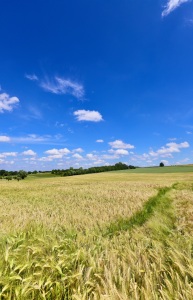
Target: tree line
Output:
{"points": [[19, 175], [80, 171], [9, 175]]}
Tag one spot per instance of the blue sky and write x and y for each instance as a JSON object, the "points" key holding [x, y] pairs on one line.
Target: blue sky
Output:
{"points": [[90, 83]]}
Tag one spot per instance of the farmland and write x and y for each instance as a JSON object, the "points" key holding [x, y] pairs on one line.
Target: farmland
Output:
{"points": [[117, 235], [170, 169]]}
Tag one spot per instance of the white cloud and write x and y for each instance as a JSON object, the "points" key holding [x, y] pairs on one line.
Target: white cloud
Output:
{"points": [[4, 138], [169, 149], [31, 77], [7, 162], [56, 156], [118, 144], [99, 162], [63, 86], [107, 156], [77, 156], [7, 103], [29, 152], [99, 141], [9, 154], [63, 151], [88, 115], [172, 5], [183, 161], [5, 154], [79, 150], [91, 156], [45, 158], [119, 152]]}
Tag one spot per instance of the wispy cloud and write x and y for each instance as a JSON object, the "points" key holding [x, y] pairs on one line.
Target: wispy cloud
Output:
{"points": [[63, 86], [58, 85], [172, 5], [99, 141], [7, 103], [32, 112], [31, 77], [35, 113], [4, 138], [189, 21], [172, 139], [118, 144], [88, 115], [30, 139], [58, 124], [33, 139]]}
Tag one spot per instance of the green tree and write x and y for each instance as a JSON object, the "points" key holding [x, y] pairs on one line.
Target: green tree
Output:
{"points": [[22, 174], [161, 164]]}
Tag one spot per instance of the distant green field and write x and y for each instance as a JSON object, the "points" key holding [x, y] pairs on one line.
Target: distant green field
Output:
{"points": [[173, 169], [147, 170]]}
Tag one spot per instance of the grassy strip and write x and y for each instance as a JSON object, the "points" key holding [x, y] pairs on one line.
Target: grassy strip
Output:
{"points": [[139, 218]]}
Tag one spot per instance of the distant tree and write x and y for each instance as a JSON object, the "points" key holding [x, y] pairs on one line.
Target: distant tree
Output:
{"points": [[131, 167], [8, 178], [2, 172], [22, 174], [161, 164], [120, 166]]}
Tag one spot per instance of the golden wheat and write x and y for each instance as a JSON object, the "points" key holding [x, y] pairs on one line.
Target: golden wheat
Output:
{"points": [[53, 246]]}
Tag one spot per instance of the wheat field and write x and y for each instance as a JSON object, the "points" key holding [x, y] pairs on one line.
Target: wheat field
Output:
{"points": [[101, 236]]}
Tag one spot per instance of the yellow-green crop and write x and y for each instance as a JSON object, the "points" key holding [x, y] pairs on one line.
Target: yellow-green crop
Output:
{"points": [[104, 236]]}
